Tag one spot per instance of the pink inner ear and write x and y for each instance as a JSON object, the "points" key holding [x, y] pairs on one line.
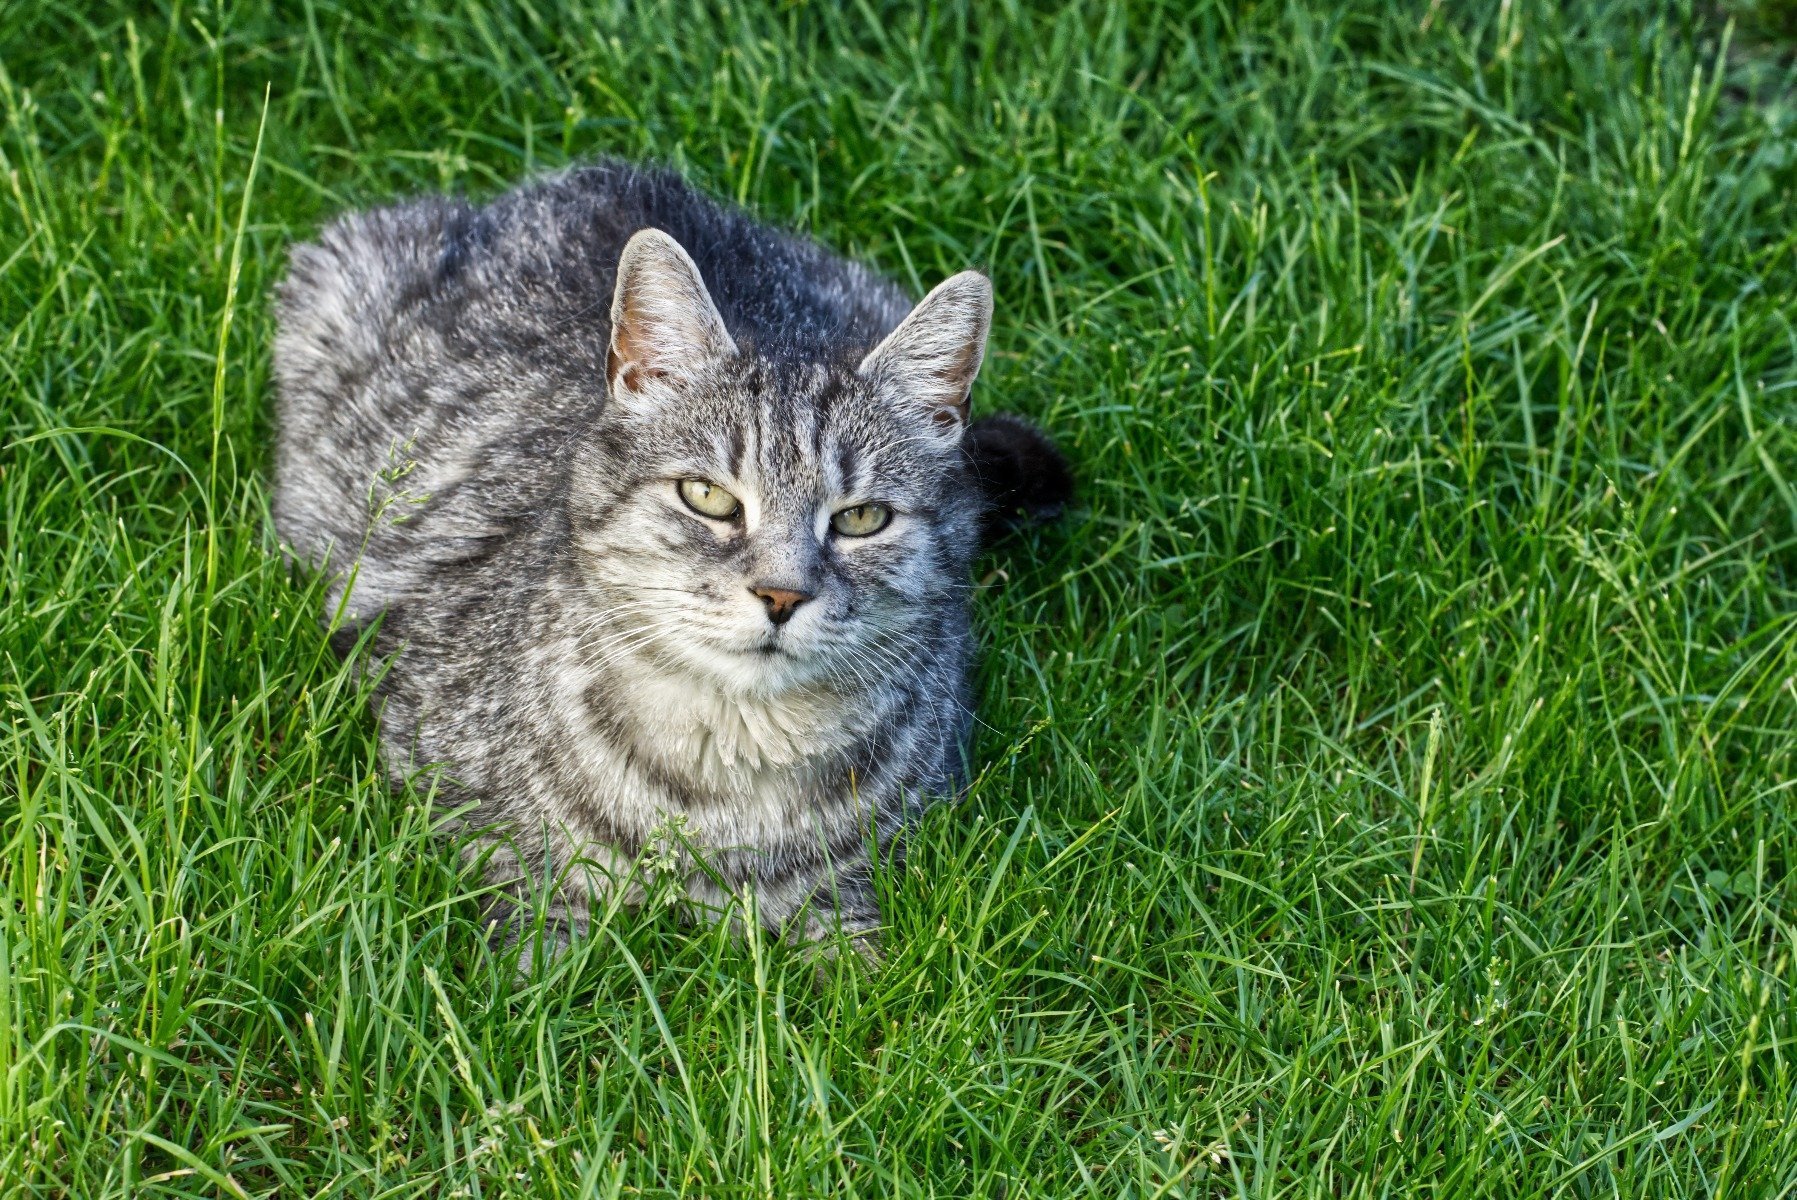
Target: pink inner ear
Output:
{"points": [[959, 376], [615, 366], [623, 367], [950, 417], [632, 375]]}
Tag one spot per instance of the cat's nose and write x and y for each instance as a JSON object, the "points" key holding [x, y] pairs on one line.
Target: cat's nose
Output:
{"points": [[781, 602]]}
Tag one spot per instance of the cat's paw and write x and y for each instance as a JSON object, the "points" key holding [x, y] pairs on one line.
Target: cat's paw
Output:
{"points": [[847, 954], [830, 935]]}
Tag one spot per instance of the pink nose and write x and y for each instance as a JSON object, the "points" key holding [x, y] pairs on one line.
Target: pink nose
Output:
{"points": [[781, 602]]}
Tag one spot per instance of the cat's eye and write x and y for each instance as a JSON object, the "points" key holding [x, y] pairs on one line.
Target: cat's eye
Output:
{"points": [[708, 499], [861, 520]]}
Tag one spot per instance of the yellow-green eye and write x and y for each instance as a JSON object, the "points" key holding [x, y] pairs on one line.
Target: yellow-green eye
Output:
{"points": [[708, 499], [861, 520]]}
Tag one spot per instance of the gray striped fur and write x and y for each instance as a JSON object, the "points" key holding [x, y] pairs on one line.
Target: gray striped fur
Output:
{"points": [[577, 650]]}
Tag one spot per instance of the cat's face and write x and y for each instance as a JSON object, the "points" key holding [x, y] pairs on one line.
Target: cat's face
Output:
{"points": [[770, 522]]}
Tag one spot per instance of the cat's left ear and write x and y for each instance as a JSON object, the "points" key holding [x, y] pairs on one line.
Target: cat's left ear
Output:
{"points": [[929, 362], [664, 326]]}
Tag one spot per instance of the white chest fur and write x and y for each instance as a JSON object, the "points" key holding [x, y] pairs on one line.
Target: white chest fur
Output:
{"points": [[747, 769], [722, 742]]}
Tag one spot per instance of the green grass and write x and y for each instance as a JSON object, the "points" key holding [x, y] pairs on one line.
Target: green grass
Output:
{"points": [[1389, 771]]}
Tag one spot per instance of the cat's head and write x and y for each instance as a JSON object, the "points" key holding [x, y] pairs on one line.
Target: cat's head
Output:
{"points": [[773, 518]]}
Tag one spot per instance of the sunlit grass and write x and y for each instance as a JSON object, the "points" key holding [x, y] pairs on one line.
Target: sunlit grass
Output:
{"points": [[1386, 771]]}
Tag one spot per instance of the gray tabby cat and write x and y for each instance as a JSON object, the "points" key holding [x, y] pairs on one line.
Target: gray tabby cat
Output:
{"points": [[667, 518]]}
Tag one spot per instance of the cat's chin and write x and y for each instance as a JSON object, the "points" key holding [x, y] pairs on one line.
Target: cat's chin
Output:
{"points": [[760, 667]]}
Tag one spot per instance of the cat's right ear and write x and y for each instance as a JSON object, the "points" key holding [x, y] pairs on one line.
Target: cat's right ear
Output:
{"points": [[664, 326], [929, 362]]}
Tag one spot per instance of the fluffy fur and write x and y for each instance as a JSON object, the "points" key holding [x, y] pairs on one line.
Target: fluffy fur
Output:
{"points": [[485, 419]]}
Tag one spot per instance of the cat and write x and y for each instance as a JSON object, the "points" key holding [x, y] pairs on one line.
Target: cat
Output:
{"points": [[667, 518]]}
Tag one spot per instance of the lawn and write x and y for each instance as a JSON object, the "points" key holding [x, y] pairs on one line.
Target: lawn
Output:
{"points": [[1386, 776]]}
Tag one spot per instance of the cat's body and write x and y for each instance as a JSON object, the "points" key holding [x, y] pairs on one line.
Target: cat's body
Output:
{"points": [[522, 467]]}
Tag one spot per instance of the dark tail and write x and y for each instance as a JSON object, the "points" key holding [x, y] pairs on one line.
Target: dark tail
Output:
{"points": [[1026, 480]]}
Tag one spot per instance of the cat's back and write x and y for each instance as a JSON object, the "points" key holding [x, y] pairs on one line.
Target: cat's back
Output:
{"points": [[566, 232], [427, 348]]}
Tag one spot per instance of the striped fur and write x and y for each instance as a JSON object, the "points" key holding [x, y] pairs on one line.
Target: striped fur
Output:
{"points": [[575, 648]]}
